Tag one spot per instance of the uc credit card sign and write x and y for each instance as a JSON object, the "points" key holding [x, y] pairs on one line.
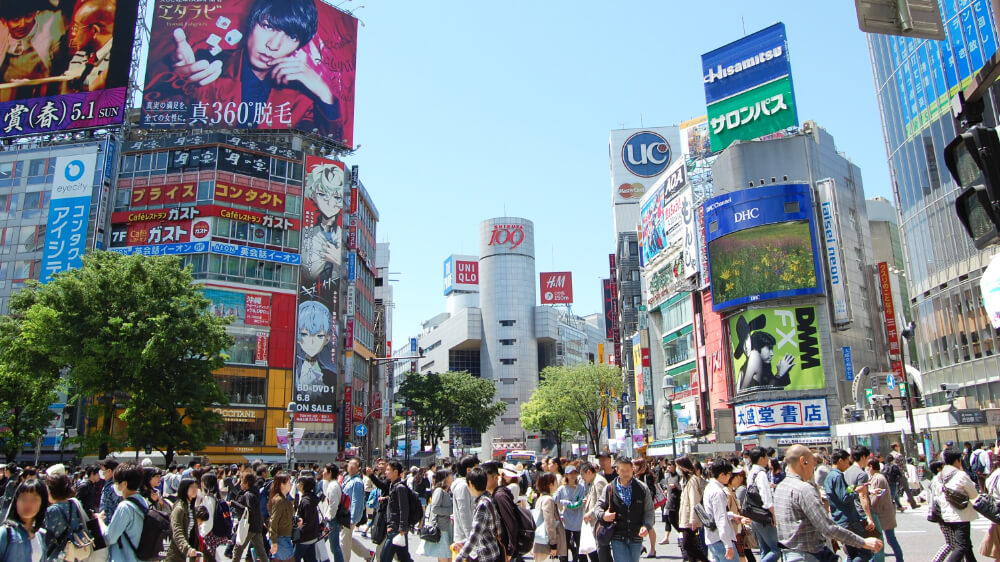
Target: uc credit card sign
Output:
{"points": [[69, 211]]}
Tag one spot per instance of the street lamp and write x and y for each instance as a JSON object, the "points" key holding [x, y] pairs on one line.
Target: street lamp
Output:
{"points": [[668, 395], [290, 448]]}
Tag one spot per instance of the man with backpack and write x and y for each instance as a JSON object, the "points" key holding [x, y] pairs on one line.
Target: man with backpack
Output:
{"points": [[759, 488], [399, 516], [980, 465], [125, 531], [503, 500]]}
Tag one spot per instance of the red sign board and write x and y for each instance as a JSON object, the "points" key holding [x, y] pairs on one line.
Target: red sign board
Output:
{"points": [[181, 213], [888, 309], [243, 195], [260, 357], [507, 235], [258, 310], [467, 272], [349, 334], [609, 308], [359, 413], [645, 357], [377, 405], [347, 413], [557, 287], [167, 194]]}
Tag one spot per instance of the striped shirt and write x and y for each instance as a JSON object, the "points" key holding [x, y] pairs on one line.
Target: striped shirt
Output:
{"points": [[802, 520]]}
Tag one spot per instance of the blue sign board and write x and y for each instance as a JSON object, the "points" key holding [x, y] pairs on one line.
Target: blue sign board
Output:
{"points": [[746, 63], [69, 213], [766, 238], [352, 266], [163, 249], [848, 365], [361, 430], [890, 381], [413, 345], [255, 253]]}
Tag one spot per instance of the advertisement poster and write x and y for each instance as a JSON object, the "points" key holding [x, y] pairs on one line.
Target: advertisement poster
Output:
{"points": [[638, 157], [557, 287], [64, 64], [782, 415], [888, 308], [210, 61], [827, 191], [69, 212], [776, 349], [661, 211], [762, 244]]}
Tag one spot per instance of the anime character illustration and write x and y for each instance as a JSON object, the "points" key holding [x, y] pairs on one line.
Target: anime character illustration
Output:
{"points": [[321, 242], [316, 337], [758, 346]]}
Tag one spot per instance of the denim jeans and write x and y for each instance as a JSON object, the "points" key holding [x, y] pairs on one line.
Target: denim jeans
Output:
{"points": [[334, 540], [890, 539], [767, 539], [625, 551], [389, 550], [717, 553]]}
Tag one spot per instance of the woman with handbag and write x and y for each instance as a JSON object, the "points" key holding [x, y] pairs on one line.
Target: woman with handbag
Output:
{"points": [[64, 526], [691, 494], [952, 486], [282, 511], [307, 515], [990, 545], [210, 498], [184, 540], [439, 514], [547, 515]]}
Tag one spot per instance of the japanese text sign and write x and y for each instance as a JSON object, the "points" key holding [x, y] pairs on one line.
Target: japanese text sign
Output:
{"points": [[69, 211], [782, 415]]}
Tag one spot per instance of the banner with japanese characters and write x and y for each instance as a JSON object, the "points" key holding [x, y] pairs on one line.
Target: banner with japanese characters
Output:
{"points": [[782, 415], [69, 211], [251, 64], [64, 65], [776, 349]]}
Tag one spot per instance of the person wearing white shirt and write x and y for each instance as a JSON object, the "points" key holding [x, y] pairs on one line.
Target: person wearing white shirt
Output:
{"points": [[462, 499], [767, 534], [721, 540], [957, 527]]}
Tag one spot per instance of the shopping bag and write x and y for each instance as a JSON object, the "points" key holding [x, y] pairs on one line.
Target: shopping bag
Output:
{"points": [[323, 551], [588, 543]]}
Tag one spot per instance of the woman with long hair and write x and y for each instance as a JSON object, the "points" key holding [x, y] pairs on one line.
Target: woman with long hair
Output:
{"points": [[308, 519], [282, 511], [735, 492], [62, 517], [440, 509], [549, 515], [22, 536], [151, 477], [210, 498], [694, 487], [184, 541]]}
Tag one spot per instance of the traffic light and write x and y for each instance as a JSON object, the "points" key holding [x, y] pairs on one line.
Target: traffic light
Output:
{"points": [[888, 414], [973, 158]]}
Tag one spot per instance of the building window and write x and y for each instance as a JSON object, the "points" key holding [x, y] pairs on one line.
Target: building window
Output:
{"points": [[508, 322], [508, 381], [9, 173], [242, 432], [507, 361], [243, 390], [633, 248], [507, 342]]}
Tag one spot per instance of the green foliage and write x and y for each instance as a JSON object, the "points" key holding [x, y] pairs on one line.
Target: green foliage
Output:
{"points": [[774, 257], [571, 399], [134, 330], [452, 398]]}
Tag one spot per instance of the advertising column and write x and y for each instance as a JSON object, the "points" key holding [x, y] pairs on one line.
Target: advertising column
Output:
{"points": [[66, 230], [889, 315], [317, 326]]}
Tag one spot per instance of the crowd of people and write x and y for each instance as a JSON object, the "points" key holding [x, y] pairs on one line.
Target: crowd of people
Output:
{"points": [[804, 505]]}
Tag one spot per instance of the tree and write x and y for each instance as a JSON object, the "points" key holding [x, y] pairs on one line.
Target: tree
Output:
{"points": [[571, 399], [133, 328], [441, 400]]}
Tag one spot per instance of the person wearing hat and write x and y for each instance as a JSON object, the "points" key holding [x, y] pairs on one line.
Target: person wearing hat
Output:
{"points": [[569, 498], [505, 499]]}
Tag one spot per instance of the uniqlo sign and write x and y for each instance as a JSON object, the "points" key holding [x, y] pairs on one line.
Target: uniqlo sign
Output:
{"points": [[467, 272], [557, 287]]}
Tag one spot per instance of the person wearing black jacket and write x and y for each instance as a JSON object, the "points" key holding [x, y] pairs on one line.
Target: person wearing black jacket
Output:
{"points": [[398, 515], [249, 502], [307, 515], [503, 499], [627, 503], [89, 493]]}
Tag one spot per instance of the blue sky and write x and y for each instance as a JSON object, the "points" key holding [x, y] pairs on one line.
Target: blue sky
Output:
{"points": [[468, 110]]}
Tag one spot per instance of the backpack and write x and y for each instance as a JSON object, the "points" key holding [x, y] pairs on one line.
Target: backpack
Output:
{"points": [[416, 510], [524, 539], [264, 492], [893, 472], [978, 466], [378, 529], [222, 520], [753, 506], [155, 533]]}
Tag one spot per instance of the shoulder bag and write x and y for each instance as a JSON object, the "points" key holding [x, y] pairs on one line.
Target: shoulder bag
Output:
{"points": [[957, 499], [987, 506], [430, 532], [604, 531]]}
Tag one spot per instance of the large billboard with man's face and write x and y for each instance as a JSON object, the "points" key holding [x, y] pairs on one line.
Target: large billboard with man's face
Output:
{"points": [[762, 244], [252, 64], [64, 64]]}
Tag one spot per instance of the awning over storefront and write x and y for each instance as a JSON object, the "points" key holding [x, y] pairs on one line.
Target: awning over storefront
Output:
{"points": [[665, 447]]}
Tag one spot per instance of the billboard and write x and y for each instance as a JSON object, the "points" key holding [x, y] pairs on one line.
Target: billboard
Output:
{"points": [[748, 87], [323, 253], [776, 349], [461, 273], [609, 310], [826, 189], [695, 140], [252, 64], [69, 212], [782, 415], [669, 231], [638, 157], [64, 65], [762, 245], [888, 308], [557, 287], [657, 215]]}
